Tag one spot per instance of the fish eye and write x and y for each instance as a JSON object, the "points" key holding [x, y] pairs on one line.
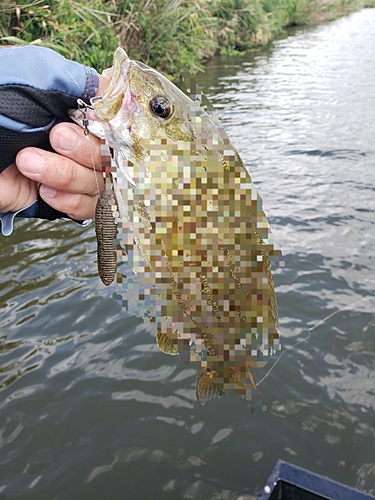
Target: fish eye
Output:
{"points": [[160, 106]]}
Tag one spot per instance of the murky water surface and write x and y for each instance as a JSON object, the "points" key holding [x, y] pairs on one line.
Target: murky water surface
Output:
{"points": [[90, 408]]}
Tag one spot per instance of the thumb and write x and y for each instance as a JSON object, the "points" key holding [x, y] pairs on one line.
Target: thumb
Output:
{"points": [[69, 140]]}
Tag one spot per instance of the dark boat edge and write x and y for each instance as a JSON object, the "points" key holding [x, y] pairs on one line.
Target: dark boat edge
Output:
{"points": [[289, 482]]}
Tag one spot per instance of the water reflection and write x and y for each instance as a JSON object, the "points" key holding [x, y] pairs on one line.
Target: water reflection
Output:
{"points": [[88, 403]]}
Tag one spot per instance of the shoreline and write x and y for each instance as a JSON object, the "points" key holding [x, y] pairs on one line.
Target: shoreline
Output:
{"points": [[169, 35]]}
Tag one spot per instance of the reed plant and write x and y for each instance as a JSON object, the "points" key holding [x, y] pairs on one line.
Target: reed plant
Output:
{"points": [[82, 30], [167, 34]]}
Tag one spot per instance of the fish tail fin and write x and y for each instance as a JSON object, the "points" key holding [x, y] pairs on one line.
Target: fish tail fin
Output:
{"points": [[210, 384], [207, 386], [242, 384]]}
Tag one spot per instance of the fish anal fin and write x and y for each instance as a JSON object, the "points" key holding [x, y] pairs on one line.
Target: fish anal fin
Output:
{"points": [[207, 386], [251, 377], [166, 344]]}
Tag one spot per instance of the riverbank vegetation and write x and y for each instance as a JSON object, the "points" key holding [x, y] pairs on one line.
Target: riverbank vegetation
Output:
{"points": [[167, 34]]}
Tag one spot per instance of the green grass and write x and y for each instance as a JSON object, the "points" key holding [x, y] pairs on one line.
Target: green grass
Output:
{"points": [[167, 34]]}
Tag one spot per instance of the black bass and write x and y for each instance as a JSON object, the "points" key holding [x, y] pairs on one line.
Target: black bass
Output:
{"points": [[191, 228]]}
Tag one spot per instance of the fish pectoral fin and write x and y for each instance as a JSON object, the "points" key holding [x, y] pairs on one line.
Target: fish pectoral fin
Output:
{"points": [[207, 386], [166, 344]]}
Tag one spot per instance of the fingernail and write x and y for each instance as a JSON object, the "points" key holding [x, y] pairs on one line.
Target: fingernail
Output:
{"points": [[64, 138], [31, 162], [47, 192]]}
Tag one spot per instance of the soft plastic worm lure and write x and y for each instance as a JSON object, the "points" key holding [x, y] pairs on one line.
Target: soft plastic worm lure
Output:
{"points": [[106, 231], [105, 223]]}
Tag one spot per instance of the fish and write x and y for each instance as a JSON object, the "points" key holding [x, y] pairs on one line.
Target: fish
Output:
{"points": [[194, 241]]}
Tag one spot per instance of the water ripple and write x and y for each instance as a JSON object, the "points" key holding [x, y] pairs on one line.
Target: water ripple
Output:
{"points": [[90, 405]]}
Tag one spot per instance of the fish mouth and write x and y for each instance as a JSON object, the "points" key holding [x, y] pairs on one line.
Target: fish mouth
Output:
{"points": [[109, 104], [106, 107]]}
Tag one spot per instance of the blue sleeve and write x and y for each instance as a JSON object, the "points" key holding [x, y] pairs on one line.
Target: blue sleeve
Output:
{"points": [[45, 69], [36, 86]]}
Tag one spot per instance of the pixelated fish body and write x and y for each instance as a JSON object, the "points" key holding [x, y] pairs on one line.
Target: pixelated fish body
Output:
{"points": [[191, 227]]}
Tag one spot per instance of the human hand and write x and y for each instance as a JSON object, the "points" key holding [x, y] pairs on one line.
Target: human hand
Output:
{"points": [[66, 181]]}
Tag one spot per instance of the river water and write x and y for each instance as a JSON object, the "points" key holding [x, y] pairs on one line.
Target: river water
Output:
{"points": [[90, 408]]}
